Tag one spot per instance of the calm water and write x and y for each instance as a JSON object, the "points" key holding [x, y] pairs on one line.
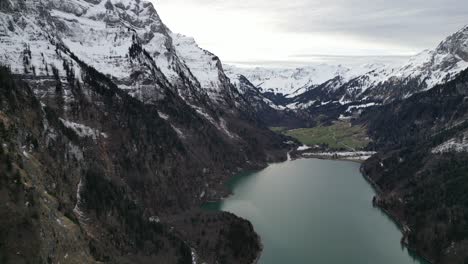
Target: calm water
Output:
{"points": [[315, 212]]}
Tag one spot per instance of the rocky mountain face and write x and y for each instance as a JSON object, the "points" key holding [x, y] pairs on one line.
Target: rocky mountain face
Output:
{"points": [[421, 172], [113, 130], [342, 92]]}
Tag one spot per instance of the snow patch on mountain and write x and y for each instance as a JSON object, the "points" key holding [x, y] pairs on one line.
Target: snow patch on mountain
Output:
{"points": [[83, 130], [452, 145], [361, 106]]}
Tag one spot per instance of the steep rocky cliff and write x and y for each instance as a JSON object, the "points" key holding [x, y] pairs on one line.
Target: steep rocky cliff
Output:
{"points": [[115, 130]]}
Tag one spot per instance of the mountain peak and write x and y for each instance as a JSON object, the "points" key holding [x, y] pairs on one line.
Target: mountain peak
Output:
{"points": [[456, 44], [465, 28]]}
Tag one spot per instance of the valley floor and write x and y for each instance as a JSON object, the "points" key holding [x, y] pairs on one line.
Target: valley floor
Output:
{"points": [[341, 135]]}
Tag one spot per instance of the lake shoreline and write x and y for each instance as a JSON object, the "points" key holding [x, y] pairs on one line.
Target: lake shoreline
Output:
{"points": [[296, 156], [354, 156], [332, 159], [395, 218]]}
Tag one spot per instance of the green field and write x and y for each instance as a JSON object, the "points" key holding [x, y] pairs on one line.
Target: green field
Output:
{"points": [[340, 135], [278, 129]]}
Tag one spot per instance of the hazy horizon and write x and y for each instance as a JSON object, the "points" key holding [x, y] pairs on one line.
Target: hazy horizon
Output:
{"points": [[313, 60]]}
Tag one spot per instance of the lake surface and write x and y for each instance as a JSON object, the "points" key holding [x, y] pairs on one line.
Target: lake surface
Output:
{"points": [[312, 211]]}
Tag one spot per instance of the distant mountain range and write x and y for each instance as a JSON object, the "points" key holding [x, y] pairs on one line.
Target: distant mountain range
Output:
{"points": [[352, 89], [291, 82]]}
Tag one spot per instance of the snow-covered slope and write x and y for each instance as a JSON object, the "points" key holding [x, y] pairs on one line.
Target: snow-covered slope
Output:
{"points": [[293, 81], [205, 66], [452, 145], [290, 88], [441, 64], [124, 39], [421, 72]]}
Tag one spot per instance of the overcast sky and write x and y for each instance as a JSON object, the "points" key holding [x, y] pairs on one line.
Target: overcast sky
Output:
{"points": [[288, 31]]}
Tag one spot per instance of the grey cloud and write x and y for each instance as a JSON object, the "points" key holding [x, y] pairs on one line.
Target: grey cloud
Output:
{"points": [[411, 23]]}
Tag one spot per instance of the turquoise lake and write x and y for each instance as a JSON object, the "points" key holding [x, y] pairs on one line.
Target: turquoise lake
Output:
{"points": [[315, 211]]}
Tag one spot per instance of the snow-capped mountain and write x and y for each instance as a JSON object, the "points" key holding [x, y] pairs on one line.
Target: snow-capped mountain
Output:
{"points": [[422, 72], [124, 39], [291, 82], [347, 89], [117, 122]]}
